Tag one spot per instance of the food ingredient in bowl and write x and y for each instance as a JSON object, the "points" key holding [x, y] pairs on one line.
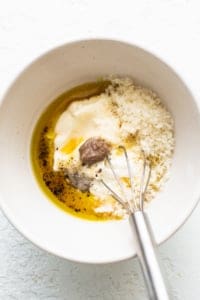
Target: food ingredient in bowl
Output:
{"points": [[81, 134], [93, 150], [79, 181]]}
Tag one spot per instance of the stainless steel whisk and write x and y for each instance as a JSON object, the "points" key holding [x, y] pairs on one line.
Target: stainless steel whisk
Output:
{"points": [[143, 237]]}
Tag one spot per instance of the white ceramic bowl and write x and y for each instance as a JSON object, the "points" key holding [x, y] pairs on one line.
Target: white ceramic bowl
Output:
{"points": [[25, 205]]}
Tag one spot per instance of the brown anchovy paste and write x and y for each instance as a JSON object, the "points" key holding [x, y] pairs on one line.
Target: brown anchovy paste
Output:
{"points": [[93, 150], [66, 190]]}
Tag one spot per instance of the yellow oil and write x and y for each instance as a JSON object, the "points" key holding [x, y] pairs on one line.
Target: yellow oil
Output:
{"points": [[71, 145], [54, 184], [126, 180]]}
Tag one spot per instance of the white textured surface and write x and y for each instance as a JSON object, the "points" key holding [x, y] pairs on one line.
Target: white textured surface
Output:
{"points": [[170, 28]]}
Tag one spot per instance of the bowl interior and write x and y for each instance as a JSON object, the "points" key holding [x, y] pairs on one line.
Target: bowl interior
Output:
{"points": [[26, 205]]}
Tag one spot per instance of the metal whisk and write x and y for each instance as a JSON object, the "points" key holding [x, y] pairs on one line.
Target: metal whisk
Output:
{"points": [[144, 241]]}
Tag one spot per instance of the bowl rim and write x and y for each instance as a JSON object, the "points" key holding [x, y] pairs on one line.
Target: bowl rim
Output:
{"points": [[6, 211]]}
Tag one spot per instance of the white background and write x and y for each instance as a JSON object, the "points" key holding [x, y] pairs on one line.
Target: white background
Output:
{"points": [[170, 28]]}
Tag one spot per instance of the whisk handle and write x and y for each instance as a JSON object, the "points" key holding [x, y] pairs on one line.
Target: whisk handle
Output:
{"points": [[146, 251]]}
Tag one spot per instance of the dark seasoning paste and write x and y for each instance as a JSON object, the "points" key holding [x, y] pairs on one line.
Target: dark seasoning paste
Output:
{"points": [[54, 184]]}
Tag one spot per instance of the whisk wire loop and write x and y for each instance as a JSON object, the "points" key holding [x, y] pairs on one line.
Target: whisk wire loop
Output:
{"points": [[136, 202]]}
